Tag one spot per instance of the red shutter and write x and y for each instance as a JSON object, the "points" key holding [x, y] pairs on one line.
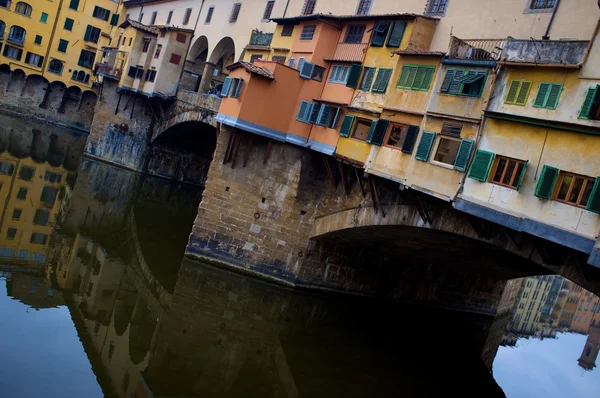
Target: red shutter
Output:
{"points": [[181, 37], [175, 59]]}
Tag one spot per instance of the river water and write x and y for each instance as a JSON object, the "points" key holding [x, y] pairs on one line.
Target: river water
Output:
{"points": [[97, 300]]}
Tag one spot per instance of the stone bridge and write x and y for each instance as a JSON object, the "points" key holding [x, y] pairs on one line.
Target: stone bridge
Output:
{"points": [[303, 219]]}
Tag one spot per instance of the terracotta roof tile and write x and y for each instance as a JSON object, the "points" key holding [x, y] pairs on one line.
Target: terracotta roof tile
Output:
{"points": [[140, 26], [259, 70], [419, 52]]}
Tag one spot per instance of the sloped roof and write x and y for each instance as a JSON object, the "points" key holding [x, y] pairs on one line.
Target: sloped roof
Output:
{"points": [[258, 70], [173, 28], [140, 26], [342, 18], [421, 53]]}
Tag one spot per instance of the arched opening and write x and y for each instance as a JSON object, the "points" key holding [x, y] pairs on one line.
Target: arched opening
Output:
{"points": [[222, 56], [56, 151], [55, 66], [16, 83], [39, 146], [16, 35], [23, 9], [184, 152], [34, 90], [194, 65], [87, 105], [20, 142], [55, 96]]}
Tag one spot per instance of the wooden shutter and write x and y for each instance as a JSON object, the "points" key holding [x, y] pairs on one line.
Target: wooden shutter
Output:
{"points": [[346, 126], [397, 33], [324, 115], [371, 131], [306, 70], [451, 129], [301, 62], [480, 167], [553, 96], [379, 34], [540, 99], [455, 85], [303, 110], [114, 20], [367, 79], [425, 146], [403, 78], [427, 79], [226, 87], [40, 61], [237, 88], [511, 97], [522, 175], [594, 200], [336, 119], [447, 80], [314, 113], [378, 135], [546, 181], [354, 76], [411, 137], [463, 155], [590, 103]]}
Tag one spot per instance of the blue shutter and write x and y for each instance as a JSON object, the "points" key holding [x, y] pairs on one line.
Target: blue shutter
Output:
{"points": [[301, 62], [371, 131], [226, 87], [411, 138], [314, 113], [397, 33], [380, 34], [346, 126], [303, 110], [463, 155], [306, 70], [336, 119], [324, 115], [424, 147]]}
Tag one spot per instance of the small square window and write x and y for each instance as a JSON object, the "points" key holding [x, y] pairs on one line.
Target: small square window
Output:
{"points": [[17, 214], [287, 30], [62, 46], [44, 17], [308, 32], [361, 129], [447, 150], [38, 39], [22, 194], [68, 24], [11, 233]]}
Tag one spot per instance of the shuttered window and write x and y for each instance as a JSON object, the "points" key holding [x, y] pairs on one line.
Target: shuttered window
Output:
{"points": [[415, 77], [303, 112], [346, 127], [34, 59], [326, 115], [268, 10], [464, 82], [396, 34], [68, 24], [377, 131], [226, 87], [114, 20], [235, 12], [354, 76], [380, 34], [480, 167], [382, 80], [546, 181], [308, 32], [548, 95], [236, 87], [101, 13], [62, 45], [424, 147], [367, 79], [464, 153], [92, 34], [591, 104], [74, 4], [508, 172], [86, 59], [594, 200], [306, 70], [518, 92], [314, 113], [188, 14]]}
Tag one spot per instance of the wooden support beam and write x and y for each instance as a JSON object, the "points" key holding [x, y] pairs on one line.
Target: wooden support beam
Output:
{"points": [[127, 103], [344, 178], [248, 149], [421, 207], [375, 194], [132, 107], [229, 147], [118, 103], [360, 183], [236, 148], [267, 151], [329, 171]]}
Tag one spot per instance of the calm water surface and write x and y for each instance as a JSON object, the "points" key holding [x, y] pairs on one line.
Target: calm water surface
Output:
{"points": [[97, 300]]}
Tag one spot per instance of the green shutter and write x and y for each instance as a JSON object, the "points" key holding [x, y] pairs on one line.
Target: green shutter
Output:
{"points": [[426, 79], [540, 99], [379, 133], [354, 76], [403, 78], [411, 137], [38, 39], [594, 200], [464, 153], [511, 97], [371, 131], [382, 80], [379, 34], [447, 80], [367, 79], [62, 45], [523, 93], [455, 85], [553, 96], [44, 17], [226, 87], [397, 33], [68, 24], [419, 78], [346, 126], [425, 146], [520, 180], [114, 20], [546, 181], [480, 167], [590, 103]]}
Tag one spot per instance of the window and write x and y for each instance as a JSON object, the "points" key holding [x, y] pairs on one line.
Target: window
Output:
{"points": [[309, 7], [268, 10], [363, 7], [339, 74], [153, 18], [180, 38], [146, 45], [287, 30], [39, 239], [447, 150], [22, 194], [307, 32], [318, 73], [450, 151], [92, 34], [451, 129], [41, 217], [74, 4], [416, 77], [52, 177], [186, 16], [301, 62], [38, 39], [158, 50], [380, 34], [518, 92], [397, 34], [49, 195], [86, 59], [402, 137], [5, 3], [254, 57], [547, 96], [7, 168], [12, 52], [542, 4], [16, 35], [55, 66], [44, 17], [135, 72], [361, 129], [574, 189], [354, 33], [328, 116], [150, 75], [464, 82], [279, 59], [34, 59], [367, 79], [17, 214], [11, 233], [80, 76], [235, 12], [62, 45], [382, 80], [175, 59], [130, 41], [68, 24], [101, 13], [590, 110], [41, 258], [292, 62], [209, 15], [2, 29], [508, 172], [23, 9], [436, 6], [114, 20]]}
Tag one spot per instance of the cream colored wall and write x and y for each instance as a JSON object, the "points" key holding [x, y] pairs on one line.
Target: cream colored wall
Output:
{"points": [[167, 77], [574, 152], [591, 68]]}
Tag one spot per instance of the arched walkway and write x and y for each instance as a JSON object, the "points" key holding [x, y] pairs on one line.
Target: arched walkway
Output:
{"points": [[195, 65], [222, 56]]}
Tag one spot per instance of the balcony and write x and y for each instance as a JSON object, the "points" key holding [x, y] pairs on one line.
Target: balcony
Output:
{"points": [[476, 49], [112, 63], [16, 40], [349, 52], [108, 70], [553, 52], [260, 40]]}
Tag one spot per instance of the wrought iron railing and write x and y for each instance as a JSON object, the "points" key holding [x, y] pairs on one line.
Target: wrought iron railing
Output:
{"points": [[476, 49], [349, 52], [261, 39]]}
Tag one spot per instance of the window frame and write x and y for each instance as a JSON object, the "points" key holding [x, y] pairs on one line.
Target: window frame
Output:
{"points": [[305, 29], [355, 124], [186, 16], [364, 7], [545, 104], [268, 10], [389, 133], [235, 12], [364, 78], [355, 35], [516, 177], [101, 13], [27, 9], [436, 147], [518, 92], [335, 69], [459, 89], [413, 86], [209, 15], [559, 181], [309, 7], [287, 30], [436, 7], [545, 7]]}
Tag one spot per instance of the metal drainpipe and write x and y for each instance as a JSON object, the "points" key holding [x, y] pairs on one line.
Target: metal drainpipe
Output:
{"points": [[546, 37], [189, 47], [46, 58], [288, 3]]}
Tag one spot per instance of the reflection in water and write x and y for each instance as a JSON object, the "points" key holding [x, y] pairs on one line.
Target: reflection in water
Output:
{"points": [[105, 246]]}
